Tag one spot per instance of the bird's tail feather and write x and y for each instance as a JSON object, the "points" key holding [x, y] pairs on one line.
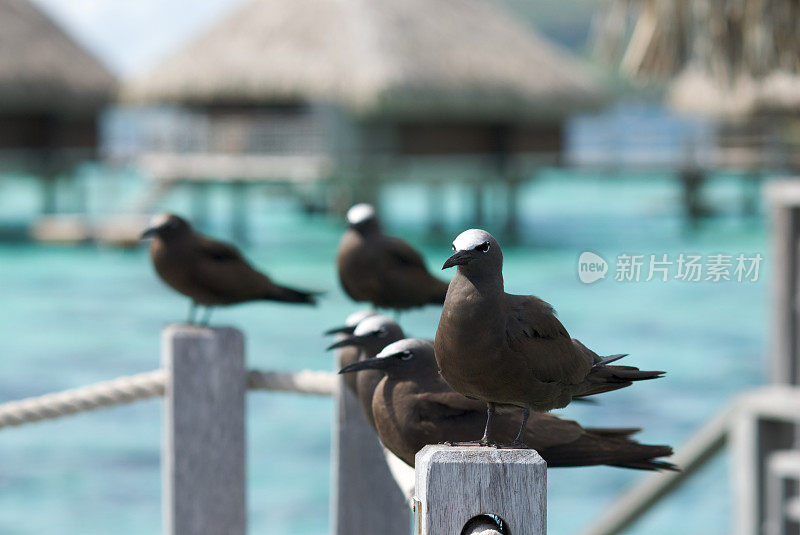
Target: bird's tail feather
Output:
{"points": [[608, 360], [605, 378], [291, 295], [605, 447], [622, 432], [650, 464], [601, 389]]}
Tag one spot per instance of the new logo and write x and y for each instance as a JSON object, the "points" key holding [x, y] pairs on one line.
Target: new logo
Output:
{"points": [[591, 267]]}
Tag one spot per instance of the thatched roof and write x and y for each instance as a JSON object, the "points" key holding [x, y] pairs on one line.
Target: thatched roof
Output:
{"points": [[719, 57], [694, 91], [43, 69], [463, 57]]}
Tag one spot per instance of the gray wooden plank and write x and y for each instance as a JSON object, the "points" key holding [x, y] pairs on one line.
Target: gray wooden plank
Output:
{"points": [[203, 450], [366, 499], [456, 484]]}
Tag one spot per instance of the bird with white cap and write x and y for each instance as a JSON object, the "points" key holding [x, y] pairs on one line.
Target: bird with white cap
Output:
{"points": [[383, 270], [510, 350], [412, 407]]}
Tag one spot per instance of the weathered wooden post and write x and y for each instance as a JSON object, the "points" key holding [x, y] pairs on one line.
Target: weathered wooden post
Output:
{"points": [[784, 201], [461, 489], [203, 448], [783, 476], [759, 427], [366, 499]]}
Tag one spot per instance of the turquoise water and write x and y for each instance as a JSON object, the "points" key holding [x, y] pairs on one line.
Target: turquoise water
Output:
{"points": [[73, 316]]}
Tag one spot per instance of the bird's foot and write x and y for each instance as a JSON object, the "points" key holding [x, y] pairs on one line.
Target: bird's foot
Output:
{"points": [[476, 443], [513, 445]]}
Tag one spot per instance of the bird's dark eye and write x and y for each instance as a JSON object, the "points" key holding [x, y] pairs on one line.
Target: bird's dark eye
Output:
{"points": [[406, 355], [454, 247], [484, 247], [381, 332]]}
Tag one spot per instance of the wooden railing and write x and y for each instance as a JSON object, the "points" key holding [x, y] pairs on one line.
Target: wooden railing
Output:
{"points": [[752, 426], [762, 427], [454, 490], [204, 380]]}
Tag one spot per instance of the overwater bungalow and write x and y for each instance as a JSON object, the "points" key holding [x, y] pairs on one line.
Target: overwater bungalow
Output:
{"points": [[302, 89], [51, 93], [736, 62]]}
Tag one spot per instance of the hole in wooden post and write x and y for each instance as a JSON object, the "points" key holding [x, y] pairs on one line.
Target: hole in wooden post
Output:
{"points": [[482, 520]]}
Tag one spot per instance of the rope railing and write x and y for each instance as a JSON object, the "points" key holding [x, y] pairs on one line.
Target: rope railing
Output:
{"points": [[105, 394], [303, 382], [204, 381], [143, 386]]}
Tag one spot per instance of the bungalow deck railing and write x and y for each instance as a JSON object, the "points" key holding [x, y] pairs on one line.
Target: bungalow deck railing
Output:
{"points": [[758, 427], [762, 427], [143, 386], [203, 381]]}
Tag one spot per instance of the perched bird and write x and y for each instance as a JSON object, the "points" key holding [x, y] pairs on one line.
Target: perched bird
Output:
{"points": [[348, 353], [381, 269], [511, 350], [351, 321], [207, 271], [414, 407], [371, 335]]}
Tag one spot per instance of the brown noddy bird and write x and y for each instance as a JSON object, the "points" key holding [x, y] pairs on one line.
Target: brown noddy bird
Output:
{"points": [[351, 321], [349, 353], [383, 270], [371, 335], [511, 350], [413, 407], [208, 271], [369, 338]]}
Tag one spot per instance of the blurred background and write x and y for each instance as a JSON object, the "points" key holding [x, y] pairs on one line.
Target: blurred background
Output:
{"points": [[638, 127]]}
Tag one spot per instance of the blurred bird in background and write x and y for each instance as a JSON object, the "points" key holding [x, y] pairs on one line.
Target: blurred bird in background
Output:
{"points": [[383, 270], [371, 335], [347, 354], [210, 272]]}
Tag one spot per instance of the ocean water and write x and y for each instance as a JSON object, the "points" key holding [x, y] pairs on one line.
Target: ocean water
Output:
{"points": [[76, 315]]}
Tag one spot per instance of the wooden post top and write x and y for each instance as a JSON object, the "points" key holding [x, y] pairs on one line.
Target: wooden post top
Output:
{"points": [[440, 453], [187, 330], [456, 484], [783, 192], [203, 449]]}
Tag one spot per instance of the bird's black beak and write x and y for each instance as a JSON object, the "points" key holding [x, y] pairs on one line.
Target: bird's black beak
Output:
{"points": [[459, 258], [348, 341], [376, 363], [340, 330], [149, 233]]}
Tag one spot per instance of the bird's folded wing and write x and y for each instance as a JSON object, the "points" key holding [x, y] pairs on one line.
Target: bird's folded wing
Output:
{"points": [[437, 406], [217, 250], [546, 430], [535, 335], [403, 253], [222, 270], [586, 351]]}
